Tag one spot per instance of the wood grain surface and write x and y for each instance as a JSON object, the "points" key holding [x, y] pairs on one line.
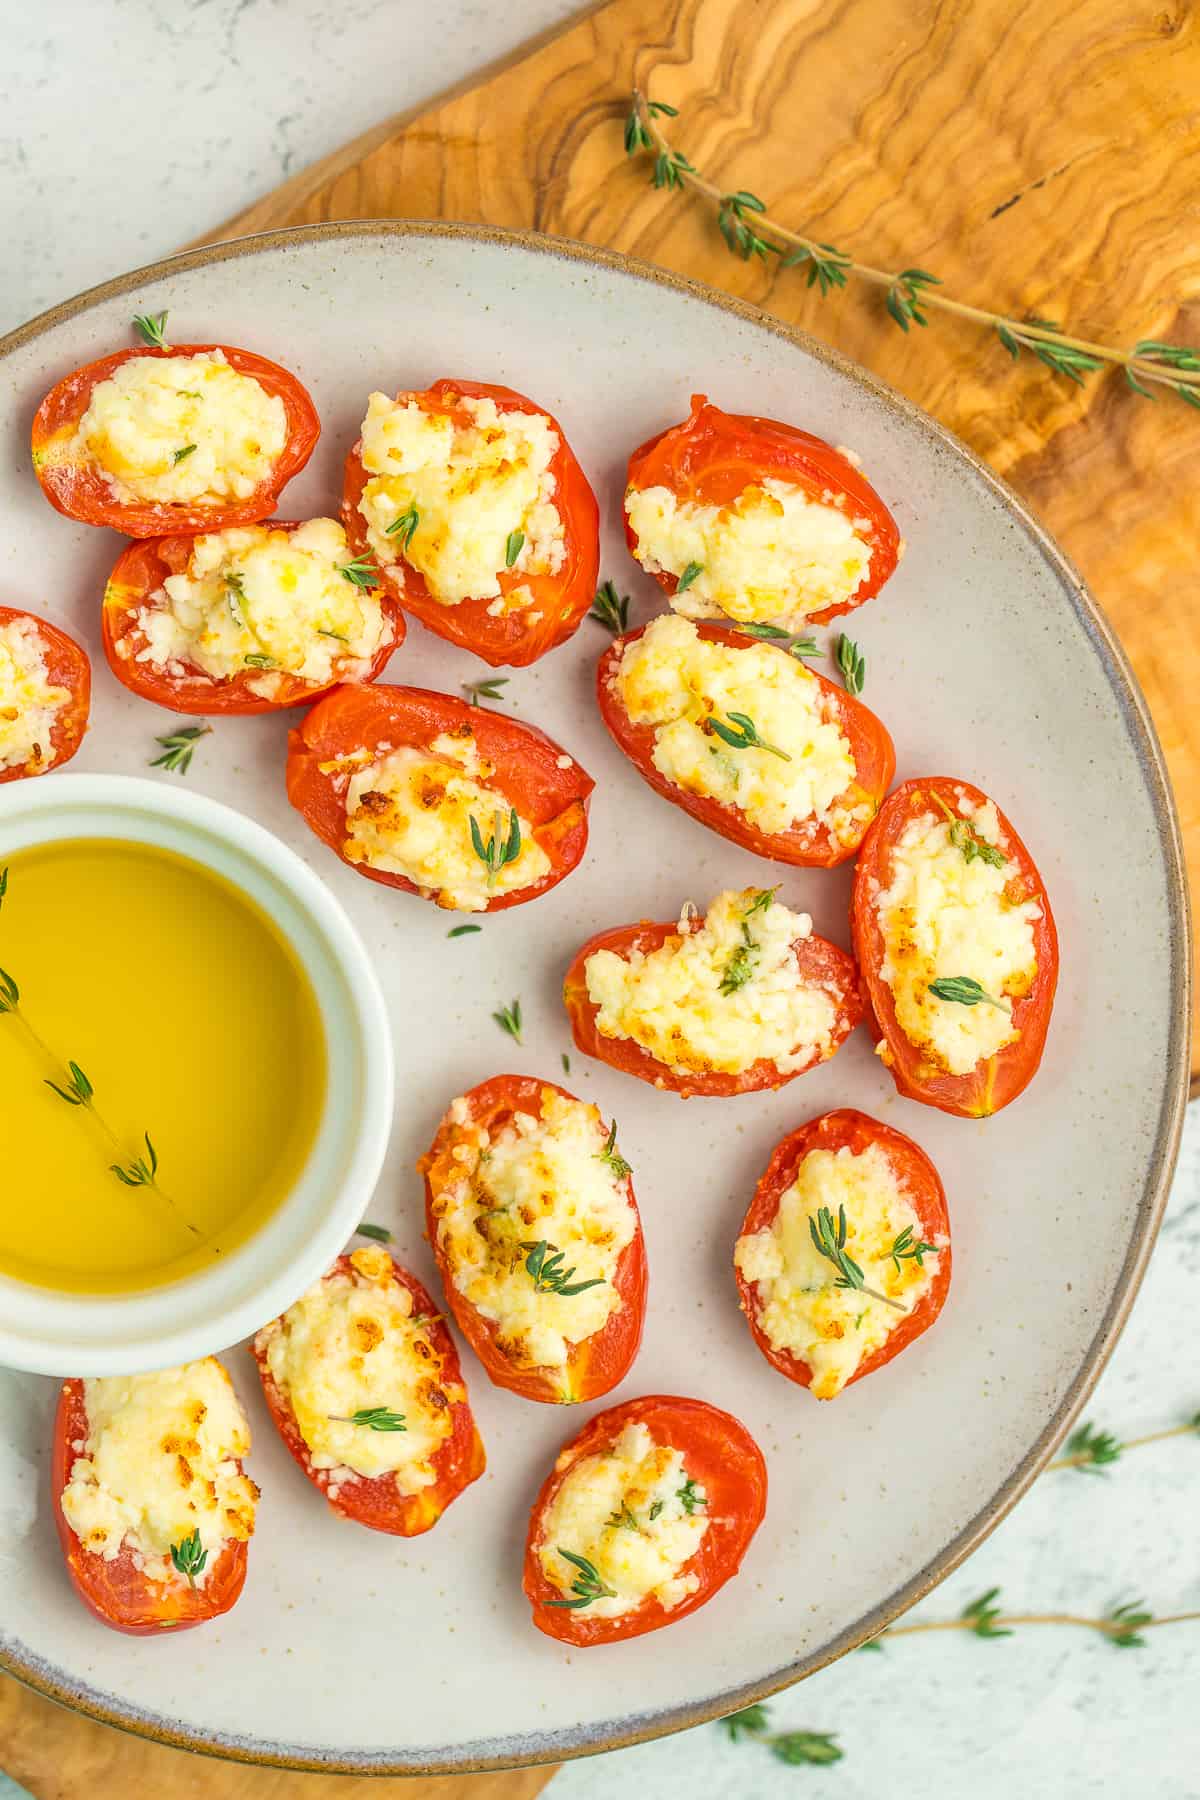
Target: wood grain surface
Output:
{"points": [[1040, 156]]}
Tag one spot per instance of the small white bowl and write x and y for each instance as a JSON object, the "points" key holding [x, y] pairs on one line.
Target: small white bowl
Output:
{"points": [[72, 1334]]}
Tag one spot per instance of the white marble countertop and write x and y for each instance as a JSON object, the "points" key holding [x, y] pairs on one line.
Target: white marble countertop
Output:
{"points": [[217, 101]]}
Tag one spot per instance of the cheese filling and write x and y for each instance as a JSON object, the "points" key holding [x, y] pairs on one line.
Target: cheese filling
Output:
{"points": [[720, 994], [678, 682], [945, 916], [160, 1462], [771, 554], [537, 1181], [347, 1346], [265, 603], [475, 488], [29, 701], [410, 814], [636, 1517], [802, 1310], [181, 430]]}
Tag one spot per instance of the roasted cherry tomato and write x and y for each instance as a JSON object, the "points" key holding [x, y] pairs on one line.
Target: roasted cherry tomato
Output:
{"points": [[712, 459], [77, 486], [559, 599], [530, 774], [809, 842], [594, 1364], [819, 965], [919, 1069], [184, 687], [119, 1592], [376, 1500], [67, 667], [725, 1483], [918, 1182]]}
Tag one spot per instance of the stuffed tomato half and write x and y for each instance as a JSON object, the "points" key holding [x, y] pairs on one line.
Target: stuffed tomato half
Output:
{"points": [[531, 1213], [45, 695], [153, 1508], [645, 1515], [173, 438], [752, 520], [248, 619], [363, 1381], [466, 807], [844, 1254], [747, 740], [743, 998], [957, 945], [472, 503]]}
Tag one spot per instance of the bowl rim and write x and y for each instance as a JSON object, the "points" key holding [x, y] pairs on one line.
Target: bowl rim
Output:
{"points": [[218, 1321], [1162, 1158]]}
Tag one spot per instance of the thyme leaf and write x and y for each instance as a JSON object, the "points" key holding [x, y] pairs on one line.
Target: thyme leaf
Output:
{"points": [[403, 527], [587, 1585], [964, 990], [151, 328], [829, 1240], [361, 573], [689, 575], [189, 1555], [852, 664], [610, 609], [513, 548], [741, 733], [509, 1019], [374, 1418], [499, 851], [609, 1155], [179, 748], [544, 1263], [488, 689]]}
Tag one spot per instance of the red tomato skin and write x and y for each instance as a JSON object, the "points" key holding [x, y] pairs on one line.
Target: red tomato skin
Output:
{"points": [[554, 800], [855, 1131], [562, 599], [596, 1364], [118, 1593], [373, 1500], [80, 491], [804, 846], [1002, 1077], [720, 1455], [711, 456], [67, 666], [141, 568], [817, 959]]}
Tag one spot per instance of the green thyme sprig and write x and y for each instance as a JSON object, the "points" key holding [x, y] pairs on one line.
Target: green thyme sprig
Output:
{"points": [[544, 1264], [508, 1018], [905, 1250], [178, 748], [966, 839], [361, 573], [139, 1171], [403, 527], [488, 689], [587, 1585], [829, 1240], [852, 664], [374, 1418], [1092, 1450], [612, 1156], [189, 1555], [909, 294], [752, 1725], [690, 1496], [740, 733], [78, 1091], [1122, 1626], [741, 966], [800, 647], [499, 850], [964, 990], [151, 328], [610, 609]]}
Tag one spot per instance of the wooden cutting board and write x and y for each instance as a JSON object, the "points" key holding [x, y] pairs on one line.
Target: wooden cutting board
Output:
{"points": [[1040, 156]]}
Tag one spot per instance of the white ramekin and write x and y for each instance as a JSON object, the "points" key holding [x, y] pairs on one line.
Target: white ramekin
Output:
{"points": [[69, 1334]]}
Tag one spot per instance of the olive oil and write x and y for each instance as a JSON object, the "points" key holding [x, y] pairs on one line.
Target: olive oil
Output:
{"points": [[163, 1028]]}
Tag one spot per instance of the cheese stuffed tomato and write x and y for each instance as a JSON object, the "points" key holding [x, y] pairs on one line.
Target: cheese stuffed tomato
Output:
{"points": [[530, 1210], [957, 946], [471, 501], [745, 998], [645, 1515], [418, 790], [748, 519], [45, 695], [363, 1382], [246, 620], [185, 438], [153, 1509], [746, 739], [844, 1254]]}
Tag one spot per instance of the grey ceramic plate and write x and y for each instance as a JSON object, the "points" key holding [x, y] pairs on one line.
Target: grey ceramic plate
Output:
{"points": [[987, 660]]}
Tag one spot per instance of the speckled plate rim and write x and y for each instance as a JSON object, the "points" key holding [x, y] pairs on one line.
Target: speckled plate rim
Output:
{"points": [[619, 1734]]}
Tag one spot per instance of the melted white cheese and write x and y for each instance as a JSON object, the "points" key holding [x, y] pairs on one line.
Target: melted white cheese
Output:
{"points": [[945, 916], [181, 429], [542, 1179], [159, 1462], [29, 701], [625, 1513], [350, 1344], [670, 1001], [677, 681], [473, 486], [834, 1329], [410, 814], [772, 554], [262, 602]]}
